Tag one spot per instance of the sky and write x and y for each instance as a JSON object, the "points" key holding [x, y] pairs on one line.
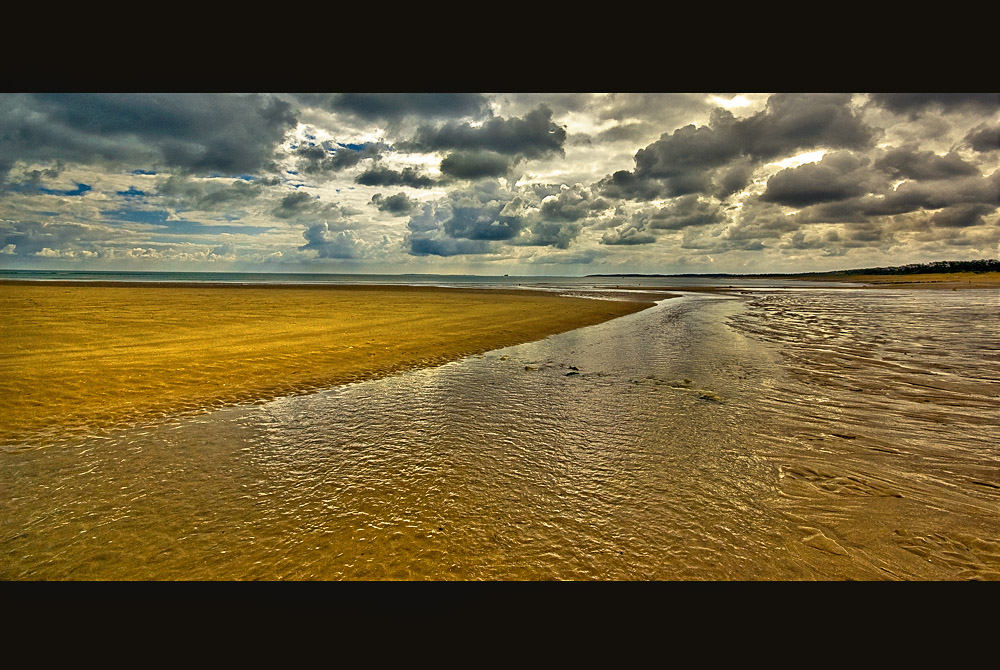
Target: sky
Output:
{"points": [[562, 184]]}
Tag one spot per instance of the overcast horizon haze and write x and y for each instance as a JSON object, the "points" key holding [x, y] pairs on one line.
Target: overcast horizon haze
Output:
{"points": [[497, 183]]}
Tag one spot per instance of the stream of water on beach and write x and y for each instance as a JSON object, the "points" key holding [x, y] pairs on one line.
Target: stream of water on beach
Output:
{"points": [[764, 434]]}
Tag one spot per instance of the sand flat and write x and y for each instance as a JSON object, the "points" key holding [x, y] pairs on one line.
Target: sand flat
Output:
{"points": [[75, 357]]}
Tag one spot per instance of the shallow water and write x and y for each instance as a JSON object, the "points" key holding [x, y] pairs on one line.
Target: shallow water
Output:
{"points": [[814, 434]]}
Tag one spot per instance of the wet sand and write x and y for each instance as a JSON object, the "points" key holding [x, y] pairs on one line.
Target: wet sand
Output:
{"points": [[76, 358]]}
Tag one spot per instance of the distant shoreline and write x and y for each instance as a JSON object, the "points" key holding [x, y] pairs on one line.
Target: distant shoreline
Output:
{"points": [[943, 280]]}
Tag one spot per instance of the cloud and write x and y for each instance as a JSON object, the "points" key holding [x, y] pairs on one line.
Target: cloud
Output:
{"points": [[629, 186], [427, 246], [294, 204], [331, 243], [836, 177], [482, 222], [483, 216], [628, 234], [478, 148], [475, 164], [25, 238], [539, 232], [984, 138], [909, 163], [912, 196], [581, 257], [200, 194], [572, 204], [684, 212], [197, 133], [916, 103], [397, 205], [961, 216], [383, 176], [331, 157], [719, 156], [395, 106]]}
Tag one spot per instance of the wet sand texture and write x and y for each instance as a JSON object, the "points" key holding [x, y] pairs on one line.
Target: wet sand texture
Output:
{"points": [[79, 358]]}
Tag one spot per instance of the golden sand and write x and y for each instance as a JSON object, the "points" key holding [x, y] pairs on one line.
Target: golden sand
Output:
{"points": [[80, 357]]}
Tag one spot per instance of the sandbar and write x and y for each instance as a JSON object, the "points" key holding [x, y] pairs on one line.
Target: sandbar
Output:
{"points": [[80, 357]]}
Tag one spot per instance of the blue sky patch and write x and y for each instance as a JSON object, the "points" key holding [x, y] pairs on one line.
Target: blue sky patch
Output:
{"points": [[178, 227], [152, 217], [132, 192], [79, 190], [143, 171]]}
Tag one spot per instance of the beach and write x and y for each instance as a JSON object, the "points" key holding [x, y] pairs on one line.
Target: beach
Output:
{"points": [[78, 357], [768, 433]]}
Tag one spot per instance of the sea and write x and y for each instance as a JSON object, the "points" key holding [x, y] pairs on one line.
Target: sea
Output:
{"points": [[776, 431]]}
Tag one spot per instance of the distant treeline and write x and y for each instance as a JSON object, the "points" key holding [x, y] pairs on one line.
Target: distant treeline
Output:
{"points": [[985, 265]]}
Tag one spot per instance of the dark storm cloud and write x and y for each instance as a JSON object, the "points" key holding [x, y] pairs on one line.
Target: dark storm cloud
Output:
{"points": [[482, 222], [397, 205], [624, 131], [912, 164], [531, 136], [865, 235], [628, 186], [475, 164], [294, 204], [383, 176], [700, 159], [911, 196], [790, 123], [395, 106], [914, 103], [837, 177], [204, 195], [684, 212], [794, 122], [733, 178], [331, 157], [961, 216], [226, 133], [984, 138]]}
